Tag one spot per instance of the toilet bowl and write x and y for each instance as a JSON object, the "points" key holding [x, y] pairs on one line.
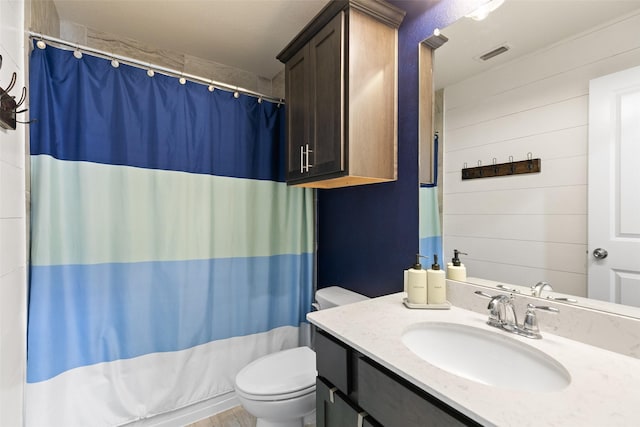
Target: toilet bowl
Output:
{"points": [[279, 389]]}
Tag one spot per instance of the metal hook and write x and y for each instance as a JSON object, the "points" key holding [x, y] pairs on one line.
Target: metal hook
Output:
{"points": [[12, 83], [23, 97], [530, 160], [512, 168], [27, 123]]}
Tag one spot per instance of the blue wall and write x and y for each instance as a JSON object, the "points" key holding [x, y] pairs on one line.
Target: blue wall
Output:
{"points": [[368, 235]]}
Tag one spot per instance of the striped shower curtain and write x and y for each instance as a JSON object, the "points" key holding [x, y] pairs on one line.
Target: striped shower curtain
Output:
{"points": [[166, 252], [429, 221], [429, 213]]}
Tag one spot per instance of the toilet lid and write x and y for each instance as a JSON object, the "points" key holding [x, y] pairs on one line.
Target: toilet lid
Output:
{"points": [[277, 374]]}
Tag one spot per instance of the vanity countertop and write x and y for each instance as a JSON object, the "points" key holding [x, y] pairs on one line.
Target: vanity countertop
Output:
{"points": [[603, 389]]}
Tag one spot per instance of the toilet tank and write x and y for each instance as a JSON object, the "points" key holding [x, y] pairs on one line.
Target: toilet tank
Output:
{"points": [[334, 296]]}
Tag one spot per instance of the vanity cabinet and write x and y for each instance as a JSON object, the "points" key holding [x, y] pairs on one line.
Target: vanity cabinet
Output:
{"points": [[353, 390], [341, 94]]}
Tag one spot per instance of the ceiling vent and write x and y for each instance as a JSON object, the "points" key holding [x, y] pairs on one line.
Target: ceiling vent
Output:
{"points": [[495, 52]]}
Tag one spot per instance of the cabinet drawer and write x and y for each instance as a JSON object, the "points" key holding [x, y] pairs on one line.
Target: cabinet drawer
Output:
{"points": [[332, 361], [396, 403], [334, 409]]}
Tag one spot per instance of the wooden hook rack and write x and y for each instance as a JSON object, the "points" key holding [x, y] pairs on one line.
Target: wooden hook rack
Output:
{"points": [[502, 169]]}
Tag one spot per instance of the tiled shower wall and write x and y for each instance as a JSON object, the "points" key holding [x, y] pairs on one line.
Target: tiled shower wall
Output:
{"points": [[13, 231]]}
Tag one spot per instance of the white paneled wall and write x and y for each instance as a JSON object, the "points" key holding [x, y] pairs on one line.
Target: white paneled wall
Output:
{"points": [[13, 269], [527, 228]]}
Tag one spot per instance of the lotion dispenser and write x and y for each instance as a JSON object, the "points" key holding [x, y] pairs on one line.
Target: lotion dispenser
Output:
{"points": [[455, 269], [417, 283], [436, 284]]}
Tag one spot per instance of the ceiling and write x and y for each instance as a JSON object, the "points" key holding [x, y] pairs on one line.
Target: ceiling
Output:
{"points": [[523, 25], [245, 34], [248, 34]]}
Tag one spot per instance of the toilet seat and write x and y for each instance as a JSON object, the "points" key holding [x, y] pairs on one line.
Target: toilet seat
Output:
{"points": [[278, 376]]}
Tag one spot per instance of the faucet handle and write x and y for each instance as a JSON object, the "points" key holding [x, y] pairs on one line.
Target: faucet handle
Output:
{"points": [[530, 323], [483, 294]]}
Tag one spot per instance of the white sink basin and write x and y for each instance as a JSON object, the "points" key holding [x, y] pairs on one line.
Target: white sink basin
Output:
{"points": [[491, 358]]}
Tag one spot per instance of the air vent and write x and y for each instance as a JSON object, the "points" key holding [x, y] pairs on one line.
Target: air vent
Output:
{"points": [[494, 52]]}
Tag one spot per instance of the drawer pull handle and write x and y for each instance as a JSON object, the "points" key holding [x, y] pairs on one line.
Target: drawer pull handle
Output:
{"points": [[361, 416], [309, 165], [331, 393]]}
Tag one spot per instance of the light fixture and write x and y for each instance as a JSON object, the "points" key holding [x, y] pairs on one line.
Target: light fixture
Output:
{"points": [[483, 11], [436, 40]]}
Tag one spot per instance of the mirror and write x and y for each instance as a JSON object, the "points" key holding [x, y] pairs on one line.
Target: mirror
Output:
{"points": [[528, 99]]}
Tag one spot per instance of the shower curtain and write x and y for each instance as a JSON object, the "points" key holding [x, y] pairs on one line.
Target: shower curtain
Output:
{"points": [[429, 221], [166, 252], [430, 232]]}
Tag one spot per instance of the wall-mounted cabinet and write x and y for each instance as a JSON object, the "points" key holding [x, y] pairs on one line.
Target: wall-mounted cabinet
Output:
{"points": [[341, 93]]}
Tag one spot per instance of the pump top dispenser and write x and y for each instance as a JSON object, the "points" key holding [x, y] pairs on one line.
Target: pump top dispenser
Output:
{"points": [[417, 283], [435, 265], [436, 284], [455, 269], [456, 259], [417, 265]]}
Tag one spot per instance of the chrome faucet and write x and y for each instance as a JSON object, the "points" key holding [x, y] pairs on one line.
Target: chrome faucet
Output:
{"points": [[536, 290], [502, 315]]}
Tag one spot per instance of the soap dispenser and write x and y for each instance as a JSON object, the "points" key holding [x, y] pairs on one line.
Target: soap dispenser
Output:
{"points": [[436, 284], [417, 283], [455, 269]]}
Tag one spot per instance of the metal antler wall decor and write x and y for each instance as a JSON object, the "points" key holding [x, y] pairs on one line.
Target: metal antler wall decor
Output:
{"points": [[8, 104]]}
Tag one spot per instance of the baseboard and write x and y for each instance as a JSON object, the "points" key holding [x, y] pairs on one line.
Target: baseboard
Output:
{"points": [[190, 414]]}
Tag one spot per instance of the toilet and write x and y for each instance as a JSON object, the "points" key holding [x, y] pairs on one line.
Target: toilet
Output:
{"points": [[279, 389]]}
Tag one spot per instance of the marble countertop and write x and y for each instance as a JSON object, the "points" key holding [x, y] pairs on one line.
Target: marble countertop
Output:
{"points": [[603, 389]]}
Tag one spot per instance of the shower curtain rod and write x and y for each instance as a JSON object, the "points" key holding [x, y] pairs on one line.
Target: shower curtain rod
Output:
{"points": [[149, 66]]}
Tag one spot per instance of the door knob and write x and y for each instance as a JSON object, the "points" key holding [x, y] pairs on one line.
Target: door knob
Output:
{"points": [[600, 253]]}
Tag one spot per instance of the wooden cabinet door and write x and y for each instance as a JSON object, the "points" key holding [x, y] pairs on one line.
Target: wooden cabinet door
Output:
{"points": [[326, 58], [297, 91]]}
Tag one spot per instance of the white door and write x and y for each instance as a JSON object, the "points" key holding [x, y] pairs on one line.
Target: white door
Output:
{"points": [[614, 188]]}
